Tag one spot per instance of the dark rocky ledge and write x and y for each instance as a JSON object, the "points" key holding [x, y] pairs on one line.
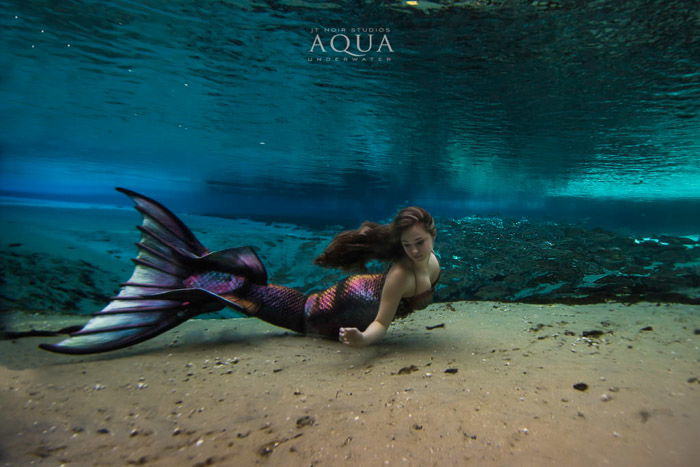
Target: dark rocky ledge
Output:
{"points": [[518, 260], [482, 259]]}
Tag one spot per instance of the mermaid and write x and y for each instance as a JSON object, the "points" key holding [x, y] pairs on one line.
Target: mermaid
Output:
{"points": [[176, 277]]}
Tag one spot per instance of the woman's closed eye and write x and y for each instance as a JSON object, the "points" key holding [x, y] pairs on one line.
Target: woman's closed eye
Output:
{"points": [[418, 243]]}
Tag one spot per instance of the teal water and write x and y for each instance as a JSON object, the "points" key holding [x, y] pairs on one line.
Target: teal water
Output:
{"points": [[573, 111]]}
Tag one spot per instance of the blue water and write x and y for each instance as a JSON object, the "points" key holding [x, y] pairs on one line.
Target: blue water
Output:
{"points": [[581, 111]]}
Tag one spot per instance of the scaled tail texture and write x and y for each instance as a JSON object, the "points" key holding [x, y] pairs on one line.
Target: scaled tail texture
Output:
{"points": [[156, 297]]}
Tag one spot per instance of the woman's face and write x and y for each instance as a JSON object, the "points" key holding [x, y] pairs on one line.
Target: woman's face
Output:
{"points": [[417, 243]]}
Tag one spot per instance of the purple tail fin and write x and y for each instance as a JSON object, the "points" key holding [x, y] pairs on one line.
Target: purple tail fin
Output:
{"points": [[168, 253]]}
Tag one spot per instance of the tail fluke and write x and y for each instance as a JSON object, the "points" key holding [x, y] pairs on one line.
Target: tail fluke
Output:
{"points": [[154, 299]]}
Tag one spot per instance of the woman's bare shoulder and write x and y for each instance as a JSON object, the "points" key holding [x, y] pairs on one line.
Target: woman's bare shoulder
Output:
{"points": [[400, 269], [400, 276]]}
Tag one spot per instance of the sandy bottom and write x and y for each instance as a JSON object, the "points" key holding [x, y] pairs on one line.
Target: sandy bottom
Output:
{"points": [[494, 385]]}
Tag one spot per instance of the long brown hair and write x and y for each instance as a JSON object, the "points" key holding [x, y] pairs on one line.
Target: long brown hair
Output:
{"points": [[353, 249]]}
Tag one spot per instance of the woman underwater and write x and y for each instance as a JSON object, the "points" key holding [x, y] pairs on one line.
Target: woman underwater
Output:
{"points": [[176, 278]]}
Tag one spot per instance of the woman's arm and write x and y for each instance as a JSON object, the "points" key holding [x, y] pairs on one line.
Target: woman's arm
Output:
{"points": [[394, 287]]}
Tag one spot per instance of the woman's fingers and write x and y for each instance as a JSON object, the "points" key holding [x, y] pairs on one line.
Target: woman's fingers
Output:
{"points": [[344, 335]]}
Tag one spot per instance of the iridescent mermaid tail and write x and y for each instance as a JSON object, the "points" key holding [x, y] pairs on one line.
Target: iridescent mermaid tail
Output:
{"points": [[176, 278]]}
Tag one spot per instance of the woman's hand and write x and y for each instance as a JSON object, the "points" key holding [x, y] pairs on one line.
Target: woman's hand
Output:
{"points": [[356, 338], [352, 337]]}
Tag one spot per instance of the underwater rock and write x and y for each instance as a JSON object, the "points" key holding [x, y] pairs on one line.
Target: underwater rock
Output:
{"points": [[267, 448], [407, 370], [306, 420], [42, 282], [546, 262], [594, 333]]}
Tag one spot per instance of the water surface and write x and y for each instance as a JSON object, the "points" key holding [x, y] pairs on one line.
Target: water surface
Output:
{"points": [[584, 111]]}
